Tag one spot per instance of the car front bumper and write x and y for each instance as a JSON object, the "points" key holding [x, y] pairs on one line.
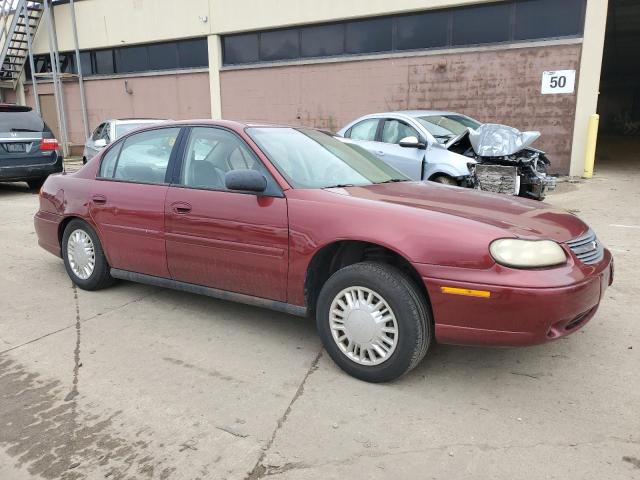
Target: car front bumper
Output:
{"points": [[512, 315]]}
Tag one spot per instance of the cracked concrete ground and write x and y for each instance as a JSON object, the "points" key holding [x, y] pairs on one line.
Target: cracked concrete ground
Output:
{"points": [[137, 382]]}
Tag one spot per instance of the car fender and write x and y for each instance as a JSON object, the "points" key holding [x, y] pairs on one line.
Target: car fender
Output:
{"points": [[439, 161]]}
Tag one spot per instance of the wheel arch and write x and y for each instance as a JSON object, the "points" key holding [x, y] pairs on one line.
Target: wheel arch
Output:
{"points": [[67, 220], [338, 254]]}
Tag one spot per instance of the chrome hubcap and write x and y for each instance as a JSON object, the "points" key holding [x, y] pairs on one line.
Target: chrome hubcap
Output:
{"points": [[363, 325], [81, 254]]}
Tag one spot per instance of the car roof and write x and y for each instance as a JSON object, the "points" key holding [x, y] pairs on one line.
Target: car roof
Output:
{"points": [[137, 120], [421, 113]]}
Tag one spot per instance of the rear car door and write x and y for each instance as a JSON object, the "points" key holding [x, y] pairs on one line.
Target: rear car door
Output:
{"points": [[364, 134], [223, 239], [127, 201], [408, 160]]}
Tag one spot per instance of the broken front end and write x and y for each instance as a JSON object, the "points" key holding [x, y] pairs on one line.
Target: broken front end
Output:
{"points": [[506, 161]]}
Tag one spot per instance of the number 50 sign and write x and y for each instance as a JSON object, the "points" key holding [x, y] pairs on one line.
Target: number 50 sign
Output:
{"points": [[559, 81]]}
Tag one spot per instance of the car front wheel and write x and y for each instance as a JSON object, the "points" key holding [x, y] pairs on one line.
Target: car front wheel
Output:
{"points": [[373, 321], [84, 258]]}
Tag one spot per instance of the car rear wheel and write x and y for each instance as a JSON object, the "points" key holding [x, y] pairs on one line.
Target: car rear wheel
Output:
{"points": [[445, 180], [84, 258], [373, 321]]}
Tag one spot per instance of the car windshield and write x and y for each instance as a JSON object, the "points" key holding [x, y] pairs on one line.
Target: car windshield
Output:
{"points": [[308, 158], [446, 127], [122, 128]]}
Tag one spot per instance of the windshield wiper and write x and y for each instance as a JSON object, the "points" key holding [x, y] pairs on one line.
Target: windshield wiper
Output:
{"points": [[23, 130], [393, 180], [340, 185]]}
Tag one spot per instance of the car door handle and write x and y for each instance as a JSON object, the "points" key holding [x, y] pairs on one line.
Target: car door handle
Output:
{"points": [[99, 199], [181, 208], [380, 152]]}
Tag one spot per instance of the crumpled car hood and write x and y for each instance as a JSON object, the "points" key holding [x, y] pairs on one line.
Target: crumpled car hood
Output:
{"points": [[520, 217], [494, 140]]}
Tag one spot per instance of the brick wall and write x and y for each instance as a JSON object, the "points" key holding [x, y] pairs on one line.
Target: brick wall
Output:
{"points": [[492, 86]]}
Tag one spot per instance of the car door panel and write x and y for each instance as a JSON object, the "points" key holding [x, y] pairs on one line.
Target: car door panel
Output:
{"points": [[129, 211], [408, 160], [227, 240], [130, 218]]}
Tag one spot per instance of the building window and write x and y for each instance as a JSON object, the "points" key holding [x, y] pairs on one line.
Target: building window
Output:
{"points": [[532, 20], [482, 24], [322, 40], [279, 45], [426, 30], [369, 36], [192, 53], [486, 24]]}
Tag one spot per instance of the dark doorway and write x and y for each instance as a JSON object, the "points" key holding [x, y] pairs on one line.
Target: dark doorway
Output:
{"points": [[619, 100]]}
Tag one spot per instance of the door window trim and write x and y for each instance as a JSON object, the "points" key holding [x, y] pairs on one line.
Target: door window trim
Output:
{"points": [[273, 188]]}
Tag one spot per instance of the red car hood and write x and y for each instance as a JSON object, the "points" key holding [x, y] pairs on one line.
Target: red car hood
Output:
{"points": [[520, 217]]}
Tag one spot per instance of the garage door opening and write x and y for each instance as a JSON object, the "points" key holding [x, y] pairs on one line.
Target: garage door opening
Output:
{"points": [[619, 101]]}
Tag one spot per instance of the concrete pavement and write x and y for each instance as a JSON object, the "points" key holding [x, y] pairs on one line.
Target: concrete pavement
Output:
{"points": [[141, 382]]}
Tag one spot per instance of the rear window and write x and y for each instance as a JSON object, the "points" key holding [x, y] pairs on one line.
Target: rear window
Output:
{"points": [[21, 122]]}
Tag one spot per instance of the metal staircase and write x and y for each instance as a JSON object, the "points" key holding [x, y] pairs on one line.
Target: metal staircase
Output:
{"points": [[19, 22]]}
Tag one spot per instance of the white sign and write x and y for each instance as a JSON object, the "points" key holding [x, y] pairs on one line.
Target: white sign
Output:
{"points": [[559, 81]]}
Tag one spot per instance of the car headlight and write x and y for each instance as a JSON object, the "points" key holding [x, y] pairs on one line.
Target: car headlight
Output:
{"points": [[513, 252]]}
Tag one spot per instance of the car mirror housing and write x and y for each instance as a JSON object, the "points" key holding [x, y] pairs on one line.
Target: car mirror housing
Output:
{"points": [[411, 142], [245, 180], [100, 143]]}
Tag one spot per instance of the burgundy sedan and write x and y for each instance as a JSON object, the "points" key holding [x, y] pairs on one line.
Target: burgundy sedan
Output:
{"points": [[294, 220]]}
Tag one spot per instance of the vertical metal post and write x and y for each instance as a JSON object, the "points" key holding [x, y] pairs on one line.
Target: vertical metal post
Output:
{"points": [[83, 103], [36, 99], [55, 70]]}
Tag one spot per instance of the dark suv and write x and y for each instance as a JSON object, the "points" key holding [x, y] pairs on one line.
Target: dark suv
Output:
{"points": [[29, 151]]}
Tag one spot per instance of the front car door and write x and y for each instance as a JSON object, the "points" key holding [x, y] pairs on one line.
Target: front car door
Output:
{"points": [[408, 160], [223, 239], [127, 202]]}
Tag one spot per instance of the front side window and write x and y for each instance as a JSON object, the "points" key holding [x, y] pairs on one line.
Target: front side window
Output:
{"points": [[311, 159], [395, 130], [212, 153], [106, 133], [144, 157], [364, 130]]}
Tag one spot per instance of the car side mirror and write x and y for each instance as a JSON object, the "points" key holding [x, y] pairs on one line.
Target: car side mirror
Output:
{"points": [[411, 142], [100, 143], [246, 181]]}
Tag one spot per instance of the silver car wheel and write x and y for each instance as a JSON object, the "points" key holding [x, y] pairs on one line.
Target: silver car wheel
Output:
{"points": [[81, 254], [363, 326]]}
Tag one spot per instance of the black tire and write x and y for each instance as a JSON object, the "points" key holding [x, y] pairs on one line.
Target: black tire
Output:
{"points": [[35, 184], [101, 276], [409, 305], [445, 180]]}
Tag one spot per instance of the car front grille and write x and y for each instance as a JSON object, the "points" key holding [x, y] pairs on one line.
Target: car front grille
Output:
{"points": [[587, 248]]}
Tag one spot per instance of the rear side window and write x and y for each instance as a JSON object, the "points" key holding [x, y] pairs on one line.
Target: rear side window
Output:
{"points": [[143, 157], [364, 130], [21, 122], [109, 162]]}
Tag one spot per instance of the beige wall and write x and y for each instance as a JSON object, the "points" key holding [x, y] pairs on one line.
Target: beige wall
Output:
{"points": [[500, 86], [177, 97], [241, 15]]}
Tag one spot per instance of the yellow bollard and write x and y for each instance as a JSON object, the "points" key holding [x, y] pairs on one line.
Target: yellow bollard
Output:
{"points": [[592, 140]]}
